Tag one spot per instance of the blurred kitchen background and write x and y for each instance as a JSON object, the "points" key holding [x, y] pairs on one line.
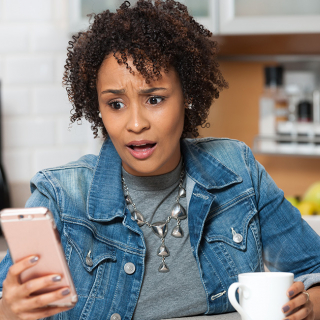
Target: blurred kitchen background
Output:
{"points": [[252, 35]]}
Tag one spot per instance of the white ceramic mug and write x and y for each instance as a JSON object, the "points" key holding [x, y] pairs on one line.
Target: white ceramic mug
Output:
{"points": [[261, 294]]}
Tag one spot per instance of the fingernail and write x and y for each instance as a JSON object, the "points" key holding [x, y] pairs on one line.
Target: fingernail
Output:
{"points": [[65, 292], [34, 259], [291, 293], [56, 278], [285, 309]]}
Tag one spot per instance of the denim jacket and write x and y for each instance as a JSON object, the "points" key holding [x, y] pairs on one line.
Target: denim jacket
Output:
{"points": [[227, 190]]}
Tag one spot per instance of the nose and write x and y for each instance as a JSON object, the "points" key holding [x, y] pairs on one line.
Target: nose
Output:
{"points": [[137, 119]]}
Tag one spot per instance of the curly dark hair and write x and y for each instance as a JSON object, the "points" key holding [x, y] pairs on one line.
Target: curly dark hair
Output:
{"points": [[156, 36]]}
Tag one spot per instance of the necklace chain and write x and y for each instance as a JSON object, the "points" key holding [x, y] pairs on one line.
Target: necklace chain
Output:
{"points": [[160, 228]]}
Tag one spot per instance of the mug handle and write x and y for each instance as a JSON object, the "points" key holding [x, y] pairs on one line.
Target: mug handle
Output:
{"points": [[232, 298]]}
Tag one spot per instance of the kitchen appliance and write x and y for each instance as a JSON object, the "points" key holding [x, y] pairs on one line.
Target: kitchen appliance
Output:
{"points": [[4, 189]]}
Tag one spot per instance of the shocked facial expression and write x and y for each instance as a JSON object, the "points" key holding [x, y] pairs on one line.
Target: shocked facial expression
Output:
{"points": [[144, 121]]}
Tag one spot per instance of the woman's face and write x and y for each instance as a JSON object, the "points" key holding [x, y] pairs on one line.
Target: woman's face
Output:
{"points": [[144, 121]]}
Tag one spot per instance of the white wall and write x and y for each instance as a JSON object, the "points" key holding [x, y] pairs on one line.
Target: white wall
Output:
{"points": [[33, 40]]}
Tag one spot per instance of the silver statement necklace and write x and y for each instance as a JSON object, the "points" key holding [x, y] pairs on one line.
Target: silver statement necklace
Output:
{"points": [[160, 228]]}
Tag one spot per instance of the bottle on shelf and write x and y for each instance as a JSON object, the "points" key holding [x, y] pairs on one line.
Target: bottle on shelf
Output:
{"points": [[273, 107], [301, 132], [316, 119], [294, 94], [305, 111], [305, 127], [317, 138]]}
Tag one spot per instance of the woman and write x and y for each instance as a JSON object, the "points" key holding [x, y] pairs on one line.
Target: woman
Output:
{"points": [[158, 226]]}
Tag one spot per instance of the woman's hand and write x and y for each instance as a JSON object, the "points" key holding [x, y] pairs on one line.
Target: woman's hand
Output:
{"points": [[299, 306], [17, 302]]}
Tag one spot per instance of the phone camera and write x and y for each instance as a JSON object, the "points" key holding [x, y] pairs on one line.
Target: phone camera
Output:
{"points": [[21, 216]]}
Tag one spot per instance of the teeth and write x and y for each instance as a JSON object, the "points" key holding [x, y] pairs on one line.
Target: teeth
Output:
{"points": [[139, 145]]}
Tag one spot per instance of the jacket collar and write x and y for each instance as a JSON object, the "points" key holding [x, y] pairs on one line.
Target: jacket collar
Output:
{"points": [[197, 162], [106, 199]]}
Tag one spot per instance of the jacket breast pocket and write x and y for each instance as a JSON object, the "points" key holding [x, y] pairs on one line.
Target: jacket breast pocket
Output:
{"points": [[233, 235], [89, 259]]}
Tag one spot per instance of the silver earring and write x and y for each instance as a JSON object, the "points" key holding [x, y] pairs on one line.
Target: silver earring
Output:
{"points": [[99, 114], [190, 106]]}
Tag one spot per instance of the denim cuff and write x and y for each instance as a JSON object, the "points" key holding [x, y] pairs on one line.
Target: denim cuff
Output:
{"points": [[309, 279]]}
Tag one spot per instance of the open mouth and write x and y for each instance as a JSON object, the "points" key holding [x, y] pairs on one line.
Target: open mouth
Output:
{"points": [[142, 147]]}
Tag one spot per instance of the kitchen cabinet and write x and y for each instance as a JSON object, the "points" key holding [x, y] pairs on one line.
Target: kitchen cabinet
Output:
{"points": [[205, 12], [225, 17], [269, 16]]}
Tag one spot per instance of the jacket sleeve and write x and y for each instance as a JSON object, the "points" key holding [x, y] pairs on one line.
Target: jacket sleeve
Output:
{"points": [[289, 243], [43, 195]]}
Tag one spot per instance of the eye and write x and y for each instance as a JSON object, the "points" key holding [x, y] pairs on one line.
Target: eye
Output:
{"points": [[155, 100], [116, 105]]}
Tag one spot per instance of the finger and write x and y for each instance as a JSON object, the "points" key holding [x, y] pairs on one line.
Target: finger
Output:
{"points": [[295, 289], [39, 283], [43, 313], [16, 269], [45, 299], [295, 302], [306, 312], [41, 301], [311, 316]]}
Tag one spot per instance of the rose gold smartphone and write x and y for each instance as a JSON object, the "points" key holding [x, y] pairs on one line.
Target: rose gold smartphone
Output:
{"points": [[32, 231]]}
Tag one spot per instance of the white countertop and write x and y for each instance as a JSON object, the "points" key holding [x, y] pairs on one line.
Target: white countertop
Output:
{"points": [[226, 316]]}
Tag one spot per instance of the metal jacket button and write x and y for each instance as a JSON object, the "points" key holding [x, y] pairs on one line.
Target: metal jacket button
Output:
{"points": [[129, 268], [115, 316], [89, 261], [236, 237]]}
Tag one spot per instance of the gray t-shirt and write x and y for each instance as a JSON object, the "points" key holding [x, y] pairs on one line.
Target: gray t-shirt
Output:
{"points": [[178, 292]]}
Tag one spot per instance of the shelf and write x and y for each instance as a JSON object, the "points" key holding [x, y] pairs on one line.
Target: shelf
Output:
{"points": [[287, 146], [281, 154]]}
